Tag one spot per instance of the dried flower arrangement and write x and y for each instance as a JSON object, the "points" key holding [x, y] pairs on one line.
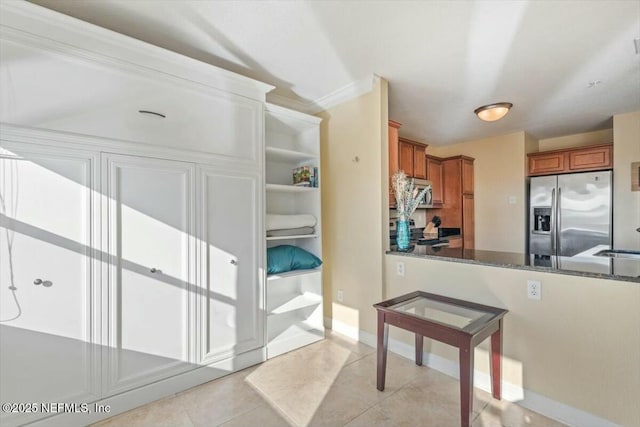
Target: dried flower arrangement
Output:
{"points": [[407, 196]]}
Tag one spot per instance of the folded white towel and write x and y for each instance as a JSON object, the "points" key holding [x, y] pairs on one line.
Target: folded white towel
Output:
{"points": [[290, 232], [281, 222]]}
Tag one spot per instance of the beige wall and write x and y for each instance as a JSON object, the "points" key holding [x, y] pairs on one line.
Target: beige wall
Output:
{"points": [[499, 172], [626, 204], [579, 345], [577, 140], [352, 205]]}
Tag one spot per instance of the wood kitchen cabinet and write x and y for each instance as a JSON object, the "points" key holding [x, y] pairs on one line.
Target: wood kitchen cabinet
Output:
{"points": [[458, 207], [434, 174], [412, 160], [406, 155], [590, 158]]}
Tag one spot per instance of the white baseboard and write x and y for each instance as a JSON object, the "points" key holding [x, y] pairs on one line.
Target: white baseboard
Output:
{"points": [[510, 392]]}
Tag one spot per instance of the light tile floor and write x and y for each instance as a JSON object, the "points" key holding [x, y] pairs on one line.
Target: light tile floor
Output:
{"points": [[330, 383]]}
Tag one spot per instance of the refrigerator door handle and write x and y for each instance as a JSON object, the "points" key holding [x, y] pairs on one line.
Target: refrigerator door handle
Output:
{"points": [[559, 219], [553, 221]]}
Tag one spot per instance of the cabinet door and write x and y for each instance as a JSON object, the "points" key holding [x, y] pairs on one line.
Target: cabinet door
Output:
{"points": [[231, 314], [546, 164], [468, 221], [434, 174], [150, 279], [467, 176], [591, 158], [48, 271], [419, 162], [406, 158]]}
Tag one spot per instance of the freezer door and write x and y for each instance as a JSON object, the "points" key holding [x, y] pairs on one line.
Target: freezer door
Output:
{"points": [[583, 212], [542, 192]]}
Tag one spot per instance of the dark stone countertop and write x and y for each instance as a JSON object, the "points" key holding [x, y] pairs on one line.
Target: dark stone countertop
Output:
{"points": [[585, 264]]}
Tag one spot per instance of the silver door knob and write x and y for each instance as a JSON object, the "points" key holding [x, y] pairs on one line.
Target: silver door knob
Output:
{"points": [[37, 282], [154, 270], [234, 262]]}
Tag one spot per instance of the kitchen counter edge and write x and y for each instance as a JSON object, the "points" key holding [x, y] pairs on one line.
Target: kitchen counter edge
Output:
{"points": [[506, 264]]}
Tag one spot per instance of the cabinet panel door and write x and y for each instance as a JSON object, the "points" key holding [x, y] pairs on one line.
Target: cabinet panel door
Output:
{"points": [[48, 267], [151, 271], [419, 163], [546, 164], [468, 221], [59, 92], [467, 176], [590, 158], [434, 174], [231, 316], [406, 158]]}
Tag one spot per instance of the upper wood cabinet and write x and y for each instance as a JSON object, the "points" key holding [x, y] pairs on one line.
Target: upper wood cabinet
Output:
{"points": [[594, 157], [458, 200], [412, 160], [434, 174], [405, 155]]}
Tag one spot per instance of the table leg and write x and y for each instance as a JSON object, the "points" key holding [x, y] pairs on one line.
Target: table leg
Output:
{"points": [[383, 334], [419, 348], [466, 384], [496, 361]]}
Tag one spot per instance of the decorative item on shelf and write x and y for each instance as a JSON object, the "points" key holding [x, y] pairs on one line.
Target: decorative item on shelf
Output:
{"points": [[407, 200], [302, 176]]}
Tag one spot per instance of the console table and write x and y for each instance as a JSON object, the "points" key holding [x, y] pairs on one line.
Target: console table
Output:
{"points": [[459, 323]]}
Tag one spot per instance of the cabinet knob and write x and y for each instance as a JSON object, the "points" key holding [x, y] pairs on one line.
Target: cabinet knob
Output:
{"points": [[234, 262], [154, 270], [37, 282]]}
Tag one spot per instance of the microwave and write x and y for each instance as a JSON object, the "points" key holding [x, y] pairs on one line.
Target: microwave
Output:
{"points": [[420, 184]]}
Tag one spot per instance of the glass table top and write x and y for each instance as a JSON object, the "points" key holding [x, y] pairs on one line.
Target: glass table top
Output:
{"points": [[438, 311]]}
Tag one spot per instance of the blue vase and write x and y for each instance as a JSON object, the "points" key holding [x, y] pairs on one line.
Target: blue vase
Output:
{"points": [[402, 239]]}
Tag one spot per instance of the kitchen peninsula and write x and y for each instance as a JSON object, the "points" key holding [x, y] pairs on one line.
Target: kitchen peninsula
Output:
{"points": [[586, 264]]}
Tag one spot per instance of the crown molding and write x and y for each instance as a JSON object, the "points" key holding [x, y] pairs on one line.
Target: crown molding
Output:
{"points": [[338, 96]]}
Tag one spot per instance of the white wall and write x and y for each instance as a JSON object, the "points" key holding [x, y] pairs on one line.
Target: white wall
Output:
{"points": [[354, 204], [626, 203]]}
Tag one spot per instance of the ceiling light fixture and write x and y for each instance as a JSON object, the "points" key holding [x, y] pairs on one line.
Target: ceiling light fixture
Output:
{"points": [[493, 112]]}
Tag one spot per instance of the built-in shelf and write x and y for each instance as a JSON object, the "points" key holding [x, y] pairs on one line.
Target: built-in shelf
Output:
{"points": [[289, 188], [293, 273], [297, 236], [286, 303], [294, 305], [283, 155]]}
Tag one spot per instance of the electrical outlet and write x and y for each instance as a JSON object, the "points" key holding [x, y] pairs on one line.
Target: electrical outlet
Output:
{"points": [[400, 268], [340, 295], [534, 289]]}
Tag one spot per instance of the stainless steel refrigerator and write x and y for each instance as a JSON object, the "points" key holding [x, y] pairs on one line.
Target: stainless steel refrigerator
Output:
{"points": [[569, 214]]}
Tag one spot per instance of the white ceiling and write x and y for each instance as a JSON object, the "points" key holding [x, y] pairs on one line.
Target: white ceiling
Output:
{"points": [[442, 58]]}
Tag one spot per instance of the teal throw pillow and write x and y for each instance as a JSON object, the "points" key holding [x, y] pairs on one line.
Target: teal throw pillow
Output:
{"points": [[283, 258]]}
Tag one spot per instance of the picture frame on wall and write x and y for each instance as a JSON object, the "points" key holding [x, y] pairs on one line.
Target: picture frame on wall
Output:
{"points": [[635, 176]]}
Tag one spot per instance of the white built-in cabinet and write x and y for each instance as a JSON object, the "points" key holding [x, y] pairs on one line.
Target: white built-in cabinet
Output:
{"points": [[294, 299], [231, 310], [150, 274], [49, 277], [132, 218]]}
